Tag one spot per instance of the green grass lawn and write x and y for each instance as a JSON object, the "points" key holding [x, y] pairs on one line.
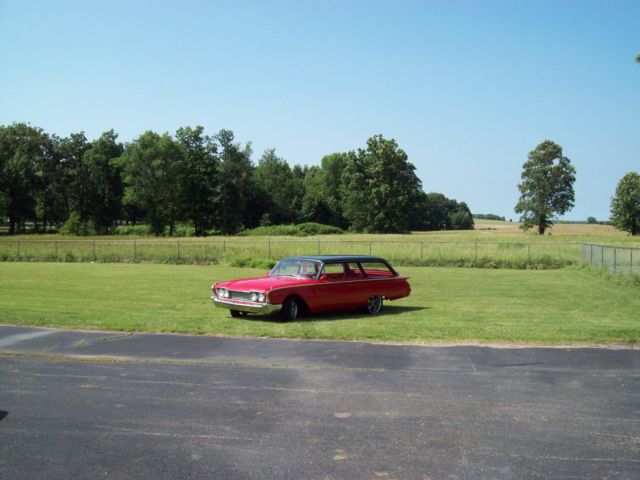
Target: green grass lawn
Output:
{"points": [[564, 306]]}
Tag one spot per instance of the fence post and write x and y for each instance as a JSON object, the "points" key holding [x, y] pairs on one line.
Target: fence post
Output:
{"points": [[18, 254], [55, 248], [421, 250], [269, 248], [224, 246], [591, 255], [630, 261], [94, 250], [615, 258], [582, 253], [178, 245], [528, 253], [318, 247], [135, 250], [369, 248], [602, 257], [475, 251]]}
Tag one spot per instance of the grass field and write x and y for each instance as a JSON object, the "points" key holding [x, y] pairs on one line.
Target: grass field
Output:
{"points": [[492, 245], [564, 306]]}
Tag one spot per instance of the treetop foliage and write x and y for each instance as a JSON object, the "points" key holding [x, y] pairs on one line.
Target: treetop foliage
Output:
{"points": [[210, 183]]}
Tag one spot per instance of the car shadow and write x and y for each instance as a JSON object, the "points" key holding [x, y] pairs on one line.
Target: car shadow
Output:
{"points": [[3, 414], [387, 310]]}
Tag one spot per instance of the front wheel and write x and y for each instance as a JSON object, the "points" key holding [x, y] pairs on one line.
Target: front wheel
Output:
{"points": [[374, 304], [290, 309], [237, 314]]}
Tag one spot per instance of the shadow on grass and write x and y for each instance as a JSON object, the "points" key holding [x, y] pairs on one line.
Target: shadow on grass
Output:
{"points": [[337, 315]]}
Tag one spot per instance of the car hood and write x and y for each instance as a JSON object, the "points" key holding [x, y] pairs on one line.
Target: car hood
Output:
{"points": [[263, 284]]}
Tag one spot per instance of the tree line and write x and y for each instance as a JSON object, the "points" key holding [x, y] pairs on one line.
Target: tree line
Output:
{"points": [[209, 182]]}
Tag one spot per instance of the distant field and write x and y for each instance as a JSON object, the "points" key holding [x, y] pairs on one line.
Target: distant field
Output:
{"points": [[491, 245], [566, 306]]}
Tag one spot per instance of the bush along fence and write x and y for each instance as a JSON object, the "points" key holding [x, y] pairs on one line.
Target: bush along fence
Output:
{"points": [[616, 260], [265, 251]]}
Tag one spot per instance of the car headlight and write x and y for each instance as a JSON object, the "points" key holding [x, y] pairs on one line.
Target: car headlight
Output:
{"points": [[223, 293], [253, 297], [261, 297]]}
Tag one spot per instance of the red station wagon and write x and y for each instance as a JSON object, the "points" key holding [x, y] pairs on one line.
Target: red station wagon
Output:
{"points": [[314, 284]]}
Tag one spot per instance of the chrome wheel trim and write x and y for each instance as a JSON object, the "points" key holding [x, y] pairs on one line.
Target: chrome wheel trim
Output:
{"points": [[293, 311]]}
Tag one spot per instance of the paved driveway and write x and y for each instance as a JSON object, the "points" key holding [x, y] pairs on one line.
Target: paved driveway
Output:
{"points": [[112, 405]]}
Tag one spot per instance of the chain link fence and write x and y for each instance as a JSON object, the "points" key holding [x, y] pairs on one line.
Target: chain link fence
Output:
{"points": [[235, 250], [617, 260]]}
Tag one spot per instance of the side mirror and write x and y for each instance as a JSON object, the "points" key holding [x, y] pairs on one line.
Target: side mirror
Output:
{"points": [[267, 274]]}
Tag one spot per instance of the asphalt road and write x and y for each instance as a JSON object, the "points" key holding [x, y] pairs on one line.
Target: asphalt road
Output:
{"points": [[111, 405]]}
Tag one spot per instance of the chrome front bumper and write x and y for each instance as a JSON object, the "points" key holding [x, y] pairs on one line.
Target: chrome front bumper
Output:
{"points": [[260, 308]]}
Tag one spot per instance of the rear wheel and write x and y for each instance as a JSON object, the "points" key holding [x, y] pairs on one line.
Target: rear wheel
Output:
{"points": [[237, 314], [290, 309], [374, 304]]}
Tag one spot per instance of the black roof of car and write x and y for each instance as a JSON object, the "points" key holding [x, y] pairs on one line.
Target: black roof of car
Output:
{"points": [[338, 258]]}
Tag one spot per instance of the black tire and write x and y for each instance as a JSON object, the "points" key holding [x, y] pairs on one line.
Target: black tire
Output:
{"points": [[290, 309], [237, 314], [374, 304]]}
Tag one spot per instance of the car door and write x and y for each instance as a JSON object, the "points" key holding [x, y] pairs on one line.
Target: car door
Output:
{"points": [[332, 291]]}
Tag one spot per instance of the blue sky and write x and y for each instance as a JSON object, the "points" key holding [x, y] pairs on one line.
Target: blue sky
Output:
{"points": [[467, 88]]}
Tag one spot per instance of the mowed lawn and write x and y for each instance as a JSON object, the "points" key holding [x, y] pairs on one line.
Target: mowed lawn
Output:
{"points": [[568, 306]]}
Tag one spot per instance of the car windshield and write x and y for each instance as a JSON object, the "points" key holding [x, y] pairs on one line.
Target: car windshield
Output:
{"points": [[294, 267]]}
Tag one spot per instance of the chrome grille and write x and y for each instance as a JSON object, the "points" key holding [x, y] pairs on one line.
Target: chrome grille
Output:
{"points": [[236, 295]]}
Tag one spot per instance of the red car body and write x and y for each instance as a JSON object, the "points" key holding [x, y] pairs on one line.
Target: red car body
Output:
{"points": [[314, 284]]}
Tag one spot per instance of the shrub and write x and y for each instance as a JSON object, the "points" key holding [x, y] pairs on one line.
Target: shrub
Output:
{"points": [[311, 228], [181, 230], [75, 226]]}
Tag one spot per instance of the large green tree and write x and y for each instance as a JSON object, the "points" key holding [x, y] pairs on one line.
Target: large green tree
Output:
{"points": [[380, 187], [72, 150], [333, 167], [315, 207], [238, 192], [625, 204], [434, 211], [151, 165], [105, 179], [199, 179], [50, 194], [25, 156], [274, 176], [546, 187]]}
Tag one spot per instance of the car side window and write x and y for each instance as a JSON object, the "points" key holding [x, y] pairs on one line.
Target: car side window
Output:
{"points": [[353, 270], [308, 269], [376, 269], [333, 271]]}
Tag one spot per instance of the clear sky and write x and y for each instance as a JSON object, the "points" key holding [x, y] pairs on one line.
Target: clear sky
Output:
{"points": [[467, 88]]}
